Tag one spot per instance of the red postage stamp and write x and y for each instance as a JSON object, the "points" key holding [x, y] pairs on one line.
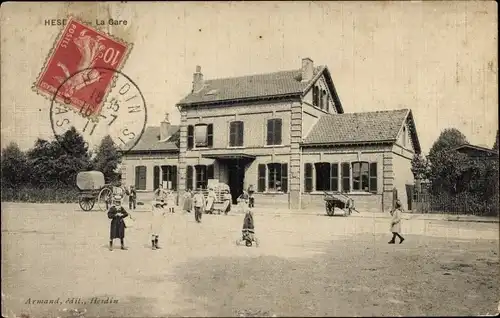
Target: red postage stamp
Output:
{"points": [[75, 72]]}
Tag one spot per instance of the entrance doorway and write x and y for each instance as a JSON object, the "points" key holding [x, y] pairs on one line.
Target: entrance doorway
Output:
{"points": [[236, 178]]}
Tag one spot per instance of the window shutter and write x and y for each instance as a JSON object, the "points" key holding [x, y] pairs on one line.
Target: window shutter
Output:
{"points": [[308, 182], [137, 178], [270, 131], [189, 178], [232, 134], [284, 177], [240, 131], [156, 177], [277, 132], [210, 135], [190, 137], [334, 177], [373, 177], [174, 178], [210, 172], [346, 185], [261, 182]]}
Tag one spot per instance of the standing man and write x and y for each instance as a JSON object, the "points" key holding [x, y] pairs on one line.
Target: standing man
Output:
{"points": [[132, 197], [199, 205]]}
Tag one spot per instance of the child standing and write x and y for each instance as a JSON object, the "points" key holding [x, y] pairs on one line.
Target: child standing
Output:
{"points": [[396, 223], [248, 231], [170, 201], [157, 221]]}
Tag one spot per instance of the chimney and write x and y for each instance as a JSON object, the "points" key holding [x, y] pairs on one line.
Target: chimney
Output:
{"points": [[307, 69], [164, 127], [197, 80]]}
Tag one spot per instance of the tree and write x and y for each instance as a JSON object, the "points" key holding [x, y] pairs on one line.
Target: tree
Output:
{"points": [[56, 163], [13, 165], [449, 138], [495, 145], [107, 159], [420, 167], [447, 167]]}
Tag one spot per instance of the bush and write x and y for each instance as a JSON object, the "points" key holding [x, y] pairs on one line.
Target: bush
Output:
{"points": [[40, 195]]}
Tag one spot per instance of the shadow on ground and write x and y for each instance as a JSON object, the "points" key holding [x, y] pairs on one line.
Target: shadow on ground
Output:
{"points": [[361, 277]]}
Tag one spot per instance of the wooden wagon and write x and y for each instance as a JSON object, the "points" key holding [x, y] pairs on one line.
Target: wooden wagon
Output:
{"points": [[339, 201], [93, 189]]}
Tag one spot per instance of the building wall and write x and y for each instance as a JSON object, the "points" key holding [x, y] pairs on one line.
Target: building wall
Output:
{"points": [[254, 117], [371, 153], [402, 173], [308, 97], [130, 161]]}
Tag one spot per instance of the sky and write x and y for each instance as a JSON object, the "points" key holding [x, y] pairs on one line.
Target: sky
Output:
{"points": [[437, 58]]}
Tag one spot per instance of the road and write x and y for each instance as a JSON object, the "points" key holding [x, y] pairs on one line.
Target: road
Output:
{"points": [[306, 265]]}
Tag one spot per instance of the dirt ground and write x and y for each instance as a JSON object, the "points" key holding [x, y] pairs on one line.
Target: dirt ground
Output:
{"points": [[305, 266]]}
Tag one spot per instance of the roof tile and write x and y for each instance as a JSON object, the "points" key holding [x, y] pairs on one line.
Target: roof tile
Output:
{"points": [[261, 85], [357, 127]]}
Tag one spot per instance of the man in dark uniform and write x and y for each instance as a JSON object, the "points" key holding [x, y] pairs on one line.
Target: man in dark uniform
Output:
{"points": [[117, 230]]}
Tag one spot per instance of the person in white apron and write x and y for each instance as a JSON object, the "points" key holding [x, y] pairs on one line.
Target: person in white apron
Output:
{"points": [[157, 222]]}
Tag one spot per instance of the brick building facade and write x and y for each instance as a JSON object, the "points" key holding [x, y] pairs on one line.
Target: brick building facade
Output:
{"points": [[287, 134]]}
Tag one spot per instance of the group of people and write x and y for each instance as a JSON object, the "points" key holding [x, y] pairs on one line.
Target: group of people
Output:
{"points": [[164, 201], [118, 215]]}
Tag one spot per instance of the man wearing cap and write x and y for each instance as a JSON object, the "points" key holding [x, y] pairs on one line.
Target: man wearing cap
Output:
{"points": [[199, 205], [117, 230]]}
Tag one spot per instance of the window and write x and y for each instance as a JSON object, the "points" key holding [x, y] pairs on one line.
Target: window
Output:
{"points": [[327, 176], [189, 178], [315, 96], [404, 136], [324, 98], [322, 176], [200, 135], [261, 182], [277, 177], [346, 177], [140, 177], [321, 100], [308, 181], [236, 134], [203, 174], [364, 176], [169, 174], [274, 131]]}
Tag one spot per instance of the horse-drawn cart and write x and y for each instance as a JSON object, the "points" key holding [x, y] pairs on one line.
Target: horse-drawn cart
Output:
{"points": [[340, 202], [93, 189]]}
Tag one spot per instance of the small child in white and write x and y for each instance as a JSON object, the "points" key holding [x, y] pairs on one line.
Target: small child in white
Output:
{"points": [[170, 201]]}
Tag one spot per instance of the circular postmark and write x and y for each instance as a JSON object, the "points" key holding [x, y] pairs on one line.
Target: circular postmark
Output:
{"points": [[122, 115]]}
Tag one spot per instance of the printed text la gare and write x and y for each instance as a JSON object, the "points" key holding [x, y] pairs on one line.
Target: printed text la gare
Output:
{"points": [[55, 22]]}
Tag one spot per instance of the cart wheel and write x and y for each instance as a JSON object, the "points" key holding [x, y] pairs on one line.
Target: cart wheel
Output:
{"points": [[86, 203], [104, 194]]}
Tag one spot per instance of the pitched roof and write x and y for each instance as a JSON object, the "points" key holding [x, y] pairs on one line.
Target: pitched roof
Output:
{"points": [[150, 140], [478, 149], [367, 127], [276, 84]]}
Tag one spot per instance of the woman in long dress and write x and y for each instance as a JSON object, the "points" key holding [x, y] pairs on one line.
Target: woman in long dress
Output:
{"points": [[188, 201]]}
